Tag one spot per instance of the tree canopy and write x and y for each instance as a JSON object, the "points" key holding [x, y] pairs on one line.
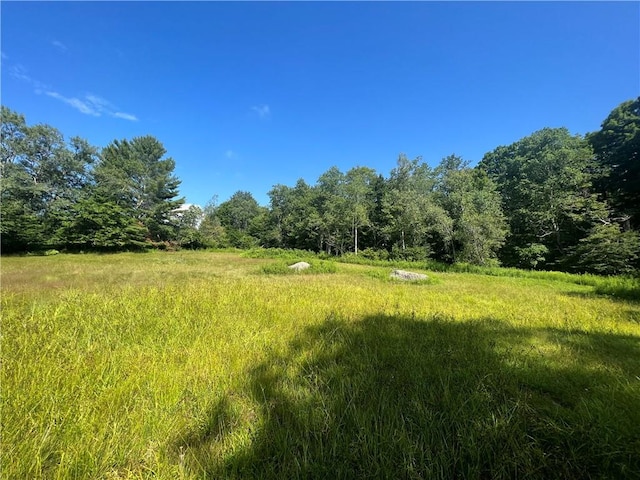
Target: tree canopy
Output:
{"points": [[617, 149], [550, 200], [58, 194]]}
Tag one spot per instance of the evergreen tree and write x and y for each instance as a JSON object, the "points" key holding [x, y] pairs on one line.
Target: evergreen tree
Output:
{"points": [[134, 179]]}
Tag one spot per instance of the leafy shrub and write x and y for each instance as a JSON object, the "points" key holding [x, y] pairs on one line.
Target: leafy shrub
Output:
{"points": [[373, 254], [283, 253], [531, 255], [410, 254], [424, 265], [43, 253]]}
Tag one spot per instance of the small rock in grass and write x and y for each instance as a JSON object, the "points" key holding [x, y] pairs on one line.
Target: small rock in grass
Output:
{"points": [[299, 266], [403, 275]]}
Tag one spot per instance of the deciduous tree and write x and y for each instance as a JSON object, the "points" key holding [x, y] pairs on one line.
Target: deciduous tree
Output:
{"points": [[617, 148], [237, 216], [358, 190], [42, 179], [471, 200], [545, 181]]}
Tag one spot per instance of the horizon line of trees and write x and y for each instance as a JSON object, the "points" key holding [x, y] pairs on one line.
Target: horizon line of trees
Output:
{"points": [[551, 200]]}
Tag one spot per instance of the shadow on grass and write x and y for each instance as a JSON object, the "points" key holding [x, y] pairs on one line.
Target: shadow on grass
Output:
{"points": [[626, 289], [629, 291], [398, 397], [628, 295]]}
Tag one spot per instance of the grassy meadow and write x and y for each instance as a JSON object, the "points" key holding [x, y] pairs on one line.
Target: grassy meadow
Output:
{"points": [[193, 365]]}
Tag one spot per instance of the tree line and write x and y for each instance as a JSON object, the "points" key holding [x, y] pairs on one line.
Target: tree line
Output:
{"points": [[551, 200], [59, 194]]}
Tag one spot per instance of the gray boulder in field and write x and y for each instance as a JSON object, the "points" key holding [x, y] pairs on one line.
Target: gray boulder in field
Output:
{"points": [[404, 275], [299, 266]]}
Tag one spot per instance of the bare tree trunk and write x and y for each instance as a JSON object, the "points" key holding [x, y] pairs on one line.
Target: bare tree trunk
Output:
{"points": [[356, 240]]}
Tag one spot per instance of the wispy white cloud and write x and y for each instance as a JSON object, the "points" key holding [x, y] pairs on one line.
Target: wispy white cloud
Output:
{"points": [[124, 116], [230, 154], [59, 45], [263, 111], [93, 105], [99, 101], [89, 104], [19, 72], [82, 106]]}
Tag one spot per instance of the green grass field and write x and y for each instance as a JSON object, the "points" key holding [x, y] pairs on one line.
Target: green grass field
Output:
{"points": [[215, 365]]}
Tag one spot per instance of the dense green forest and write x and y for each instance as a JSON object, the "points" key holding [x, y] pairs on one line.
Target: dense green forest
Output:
{"points": [[551, 200]]}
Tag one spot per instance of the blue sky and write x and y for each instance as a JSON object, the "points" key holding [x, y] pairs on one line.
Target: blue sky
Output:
{"points": [[246, 95]]}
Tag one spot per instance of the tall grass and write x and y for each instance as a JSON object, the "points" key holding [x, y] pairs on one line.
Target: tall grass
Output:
{"points": [[281, 253], [628, 286], [620, 287], [284, 268], [191, 365]]}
